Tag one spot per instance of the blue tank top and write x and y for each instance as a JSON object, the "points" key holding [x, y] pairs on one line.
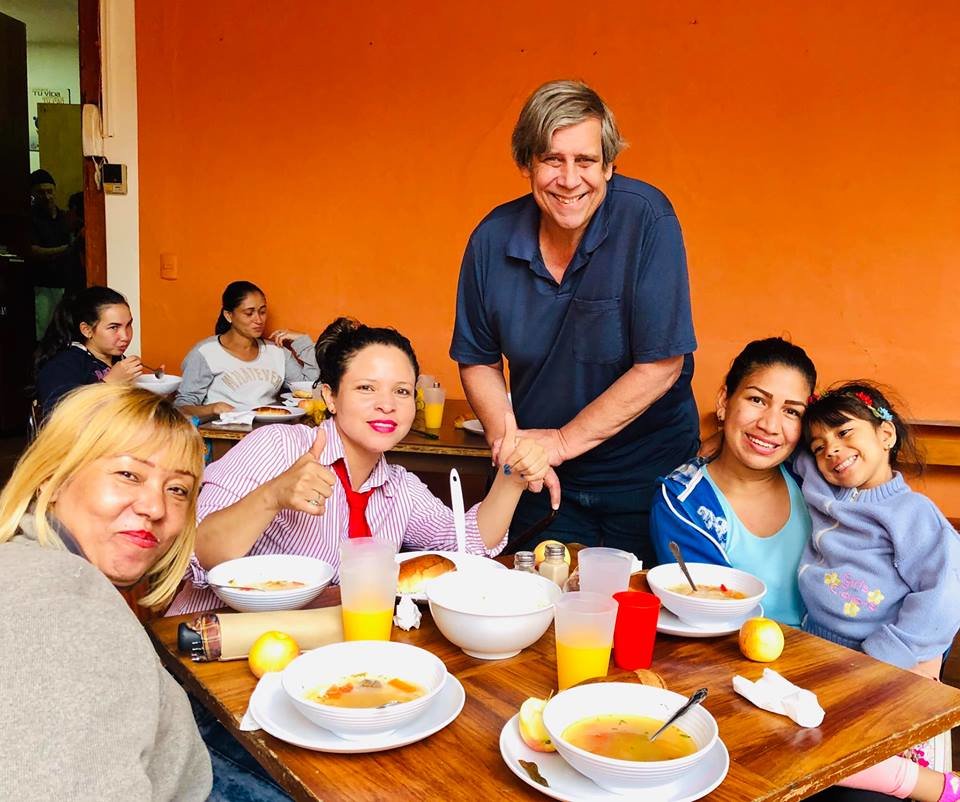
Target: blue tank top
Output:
{"points": [[773, 559]]}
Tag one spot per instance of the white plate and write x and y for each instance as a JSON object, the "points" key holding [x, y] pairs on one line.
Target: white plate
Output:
{"points": [[669, 624], [292, 399], [568, 784], [473, 425], [291, 414], [464, 562], [275, 713]]}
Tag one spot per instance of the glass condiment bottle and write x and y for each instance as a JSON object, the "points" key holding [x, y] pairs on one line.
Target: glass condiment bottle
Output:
{"points": [[524, 561], [554, 566]]}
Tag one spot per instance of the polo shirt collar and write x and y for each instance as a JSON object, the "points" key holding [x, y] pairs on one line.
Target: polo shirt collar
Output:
{"points": [[524, 242], [381, 476]]}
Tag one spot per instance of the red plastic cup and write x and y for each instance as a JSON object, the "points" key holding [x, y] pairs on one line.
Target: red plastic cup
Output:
{"points": [[635, 630]]}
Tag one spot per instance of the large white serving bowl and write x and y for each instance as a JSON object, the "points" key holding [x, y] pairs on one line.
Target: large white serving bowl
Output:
{"points": [[315, 574], [329, 664], [492, 614], [165, 385], [706, 612], [626, 699]]}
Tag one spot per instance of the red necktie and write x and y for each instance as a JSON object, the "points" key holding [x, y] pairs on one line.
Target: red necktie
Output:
{"points": [[356, 502]]}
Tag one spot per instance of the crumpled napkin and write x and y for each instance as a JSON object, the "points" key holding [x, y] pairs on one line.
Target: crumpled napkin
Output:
{"points": [[249, 723], [778, 695], [408, 614], [244, 417]]}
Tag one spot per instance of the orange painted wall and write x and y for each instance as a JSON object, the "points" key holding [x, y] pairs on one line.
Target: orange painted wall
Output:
{"points": [[340, 154]]}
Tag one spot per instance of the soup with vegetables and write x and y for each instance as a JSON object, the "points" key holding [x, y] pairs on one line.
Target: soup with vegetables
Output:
{"points": [[366, 690], [269, 584], [628, 738], [709, 592]]}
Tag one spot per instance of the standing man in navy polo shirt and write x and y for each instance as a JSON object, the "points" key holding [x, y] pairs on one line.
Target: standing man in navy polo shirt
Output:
{"points": [[582, 286]]}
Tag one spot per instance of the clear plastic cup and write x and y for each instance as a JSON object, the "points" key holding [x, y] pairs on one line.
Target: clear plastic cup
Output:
{"points": [[433, 398], [368, 588], [604, 570], [583, 626]]}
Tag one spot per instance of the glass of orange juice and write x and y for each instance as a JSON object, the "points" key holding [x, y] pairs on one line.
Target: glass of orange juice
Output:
{"points": [[583, 626], [433, 398], [368, 587]]}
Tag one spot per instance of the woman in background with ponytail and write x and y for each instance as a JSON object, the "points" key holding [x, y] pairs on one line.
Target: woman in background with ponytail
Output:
{"points": [[84, 344], [237, 367]]}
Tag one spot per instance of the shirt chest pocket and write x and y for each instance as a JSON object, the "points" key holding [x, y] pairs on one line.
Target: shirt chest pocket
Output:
{"points": [[597, 330]]}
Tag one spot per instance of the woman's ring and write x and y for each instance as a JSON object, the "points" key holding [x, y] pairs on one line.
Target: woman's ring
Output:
{"points": [[314, 502]]}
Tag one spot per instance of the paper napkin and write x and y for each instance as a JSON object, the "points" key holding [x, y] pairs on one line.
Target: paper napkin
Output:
{"points": [[408, 614], [233, 418], [249, 723], [778, 695]]}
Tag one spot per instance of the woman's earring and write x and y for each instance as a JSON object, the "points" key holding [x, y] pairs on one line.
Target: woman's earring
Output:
{"points": [[720, 418]]}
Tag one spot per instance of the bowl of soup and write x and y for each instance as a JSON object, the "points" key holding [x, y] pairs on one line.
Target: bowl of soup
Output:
{"points": [[357, 689], [492, 614], [603, 729], [724, 595], [266, 582], [165, 385]]}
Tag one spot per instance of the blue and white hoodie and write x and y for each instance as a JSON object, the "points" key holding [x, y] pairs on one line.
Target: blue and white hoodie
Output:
{"points": [[689, 509]]}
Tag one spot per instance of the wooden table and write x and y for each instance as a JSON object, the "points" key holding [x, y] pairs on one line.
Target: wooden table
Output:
{"points": [[458, 448], [873, 711]]}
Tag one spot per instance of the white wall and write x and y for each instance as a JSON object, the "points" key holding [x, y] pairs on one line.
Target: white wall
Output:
{"points": [[118, 37], [51, 66]]}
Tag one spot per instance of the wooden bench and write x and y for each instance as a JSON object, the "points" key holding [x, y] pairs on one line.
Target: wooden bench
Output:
{"points": [[939, 440]]}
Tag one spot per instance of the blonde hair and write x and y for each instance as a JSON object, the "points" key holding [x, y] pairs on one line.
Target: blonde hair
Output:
{"points": [[93, 422]]}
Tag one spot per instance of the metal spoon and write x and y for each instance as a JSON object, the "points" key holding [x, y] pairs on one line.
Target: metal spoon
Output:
{"points": [[698, 697], [683, 566]]}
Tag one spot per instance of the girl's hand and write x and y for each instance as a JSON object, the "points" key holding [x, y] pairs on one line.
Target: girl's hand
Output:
{"points": [[282, 337], [928, 668], [125, 371], [525, 457], [220, 406], [306, 485]]}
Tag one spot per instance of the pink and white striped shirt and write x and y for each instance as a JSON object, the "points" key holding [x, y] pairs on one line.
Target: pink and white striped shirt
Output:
{"points": [[401, 508]]}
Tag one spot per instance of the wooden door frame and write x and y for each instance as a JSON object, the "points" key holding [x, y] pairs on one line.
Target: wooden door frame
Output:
{"points": [[94, 209]]}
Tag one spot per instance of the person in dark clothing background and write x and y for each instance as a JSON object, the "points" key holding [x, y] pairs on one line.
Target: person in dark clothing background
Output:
{"points": [[56, 262]]}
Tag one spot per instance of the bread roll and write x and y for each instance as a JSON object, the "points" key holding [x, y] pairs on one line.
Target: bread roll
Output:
{"points": [[303, 393], [271, 411], [414, 572]]}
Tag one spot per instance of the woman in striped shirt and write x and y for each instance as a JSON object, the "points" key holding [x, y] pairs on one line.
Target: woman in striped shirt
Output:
{"points": [[292, 489]]}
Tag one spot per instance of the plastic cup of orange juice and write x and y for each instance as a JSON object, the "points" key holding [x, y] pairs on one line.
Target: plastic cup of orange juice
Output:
{"points": [[583, 626], [368, 587], [433, 398]]}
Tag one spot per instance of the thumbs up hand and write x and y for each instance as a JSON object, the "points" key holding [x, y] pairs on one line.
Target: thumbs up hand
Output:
{"points": [[307, 484]]}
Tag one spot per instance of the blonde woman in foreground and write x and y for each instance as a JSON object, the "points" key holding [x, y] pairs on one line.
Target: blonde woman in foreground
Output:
{"points": [[105, 496]]}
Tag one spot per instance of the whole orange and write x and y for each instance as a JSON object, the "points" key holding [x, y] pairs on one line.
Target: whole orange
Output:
{"points": [[271, 652], [761, 639]]}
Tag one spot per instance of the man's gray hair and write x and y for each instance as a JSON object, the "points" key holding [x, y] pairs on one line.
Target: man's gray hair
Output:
{"points": [[560, 104]]}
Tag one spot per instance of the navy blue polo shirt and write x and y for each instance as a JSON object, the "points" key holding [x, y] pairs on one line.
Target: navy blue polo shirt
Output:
{"points": [[624, 299]]}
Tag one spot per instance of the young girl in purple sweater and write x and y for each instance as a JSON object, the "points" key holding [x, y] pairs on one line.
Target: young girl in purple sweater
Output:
{"points": [[881, 573]]}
